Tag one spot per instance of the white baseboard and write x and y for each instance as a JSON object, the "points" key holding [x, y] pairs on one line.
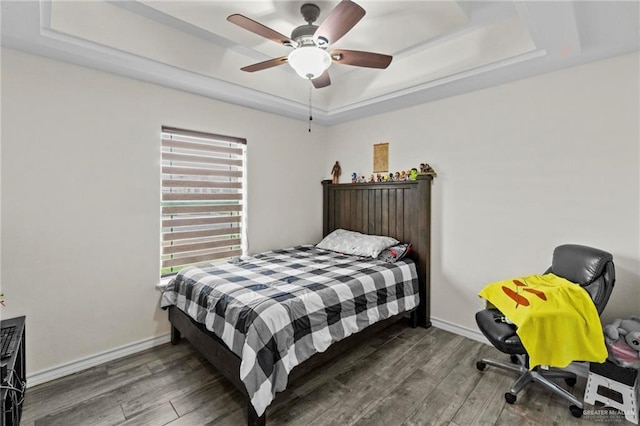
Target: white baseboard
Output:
{"points": [[68, 368], [458, 329], [81, 364]]}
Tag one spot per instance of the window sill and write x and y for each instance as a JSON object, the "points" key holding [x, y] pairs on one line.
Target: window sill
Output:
{"points": [[164, 282]]}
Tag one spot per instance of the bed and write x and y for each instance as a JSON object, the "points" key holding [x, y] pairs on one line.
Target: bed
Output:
{"points": [[397, 209]]}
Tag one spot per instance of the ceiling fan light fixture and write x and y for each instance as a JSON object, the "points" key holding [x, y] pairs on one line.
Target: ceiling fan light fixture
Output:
{"points": [[309, 61]]}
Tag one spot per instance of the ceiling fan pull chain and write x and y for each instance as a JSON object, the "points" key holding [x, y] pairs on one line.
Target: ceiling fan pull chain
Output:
{"points": [[310, 116]]}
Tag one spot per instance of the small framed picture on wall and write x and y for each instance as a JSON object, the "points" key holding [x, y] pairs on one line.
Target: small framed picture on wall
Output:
{"points": [[381, 157]]}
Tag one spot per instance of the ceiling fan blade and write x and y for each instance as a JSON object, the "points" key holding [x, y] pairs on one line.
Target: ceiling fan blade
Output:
{"points": [[257, 28], [266, 64], [323, 81], [361, 59], [340, 20]]}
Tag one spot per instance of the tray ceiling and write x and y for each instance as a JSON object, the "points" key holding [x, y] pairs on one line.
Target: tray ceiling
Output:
{"points": [[440, 48]]}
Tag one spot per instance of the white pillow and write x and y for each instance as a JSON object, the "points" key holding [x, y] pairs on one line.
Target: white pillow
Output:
{"points": [[355, 243]]}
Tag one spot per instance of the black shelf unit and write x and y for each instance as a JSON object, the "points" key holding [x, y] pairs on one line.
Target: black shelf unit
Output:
{"points": [[13, 375]]}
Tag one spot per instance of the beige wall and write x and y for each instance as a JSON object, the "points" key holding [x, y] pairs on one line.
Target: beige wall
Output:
{"points": [[80, 199], [522, 167]]}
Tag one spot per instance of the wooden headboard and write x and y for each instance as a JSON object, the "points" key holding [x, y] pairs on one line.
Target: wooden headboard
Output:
{"points": [[401, 210]]}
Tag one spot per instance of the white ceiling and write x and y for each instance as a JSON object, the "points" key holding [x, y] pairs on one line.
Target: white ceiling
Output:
{"points": [[440, 48]]}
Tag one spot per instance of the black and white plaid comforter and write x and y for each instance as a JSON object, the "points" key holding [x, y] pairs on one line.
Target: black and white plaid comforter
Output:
{"points": [[276, 309]]}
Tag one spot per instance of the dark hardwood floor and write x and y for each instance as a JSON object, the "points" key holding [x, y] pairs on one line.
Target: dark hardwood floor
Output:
{"points": [[403, 377]]}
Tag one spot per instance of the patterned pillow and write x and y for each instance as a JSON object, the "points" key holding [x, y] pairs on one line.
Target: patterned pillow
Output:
{"points": [[355, 243], [395, 253]]}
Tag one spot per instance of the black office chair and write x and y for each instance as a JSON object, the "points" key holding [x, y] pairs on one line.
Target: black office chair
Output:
{"points": [[593, 270]]}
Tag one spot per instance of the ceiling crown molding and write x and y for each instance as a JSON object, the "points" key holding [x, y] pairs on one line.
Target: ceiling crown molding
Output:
{"points": [[554, 28]]}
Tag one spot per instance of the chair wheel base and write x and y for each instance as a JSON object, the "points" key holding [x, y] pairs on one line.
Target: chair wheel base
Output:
{"points": [[576, 411], [481, 365], [570, 381], [510, 398]]}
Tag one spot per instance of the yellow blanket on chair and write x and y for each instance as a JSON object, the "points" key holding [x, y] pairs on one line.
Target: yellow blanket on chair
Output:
{"points": [[557, 320]]}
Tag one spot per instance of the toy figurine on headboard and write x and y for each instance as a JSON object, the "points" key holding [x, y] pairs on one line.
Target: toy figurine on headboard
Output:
{"points": [[403, 175], [336, 171], [372, 179], [413, 174], [354, 177], [427, 169]]}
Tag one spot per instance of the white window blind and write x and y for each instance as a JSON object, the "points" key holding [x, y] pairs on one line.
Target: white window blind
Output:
{"points": [[202, 198]]}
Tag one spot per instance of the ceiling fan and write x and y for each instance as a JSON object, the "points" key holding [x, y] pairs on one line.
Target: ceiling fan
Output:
{"points": [[310, 58]]}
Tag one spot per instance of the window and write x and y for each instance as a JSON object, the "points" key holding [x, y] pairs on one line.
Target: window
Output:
{"points": [[202, 198]]}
